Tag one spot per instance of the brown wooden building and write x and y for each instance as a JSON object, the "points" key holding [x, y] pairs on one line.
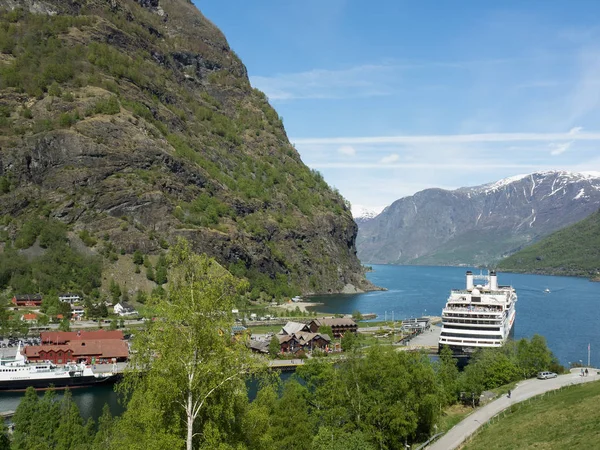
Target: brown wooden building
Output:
{"points": [[339, 326]]}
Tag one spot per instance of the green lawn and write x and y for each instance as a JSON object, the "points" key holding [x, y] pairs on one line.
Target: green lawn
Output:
{"points": [[566, 419]]}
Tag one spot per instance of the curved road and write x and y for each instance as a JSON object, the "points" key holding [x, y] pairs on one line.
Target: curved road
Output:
{"points": [[524, 390]]}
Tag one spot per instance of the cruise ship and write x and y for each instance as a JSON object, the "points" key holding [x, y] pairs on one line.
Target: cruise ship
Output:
{"points": [[482, 315], [17, 374]]}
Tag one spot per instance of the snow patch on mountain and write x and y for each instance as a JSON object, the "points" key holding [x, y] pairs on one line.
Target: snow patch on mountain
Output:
{"points": [[366, 212]]}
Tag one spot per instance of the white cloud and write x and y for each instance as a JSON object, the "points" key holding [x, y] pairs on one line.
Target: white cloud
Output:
{"points": [[451, 138], [347, 150], [575, 130], [360, 81], [475, 167], [390, 158], [557, 149]]}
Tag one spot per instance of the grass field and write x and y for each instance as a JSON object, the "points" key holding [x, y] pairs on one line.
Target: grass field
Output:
{"points": [[566, 419]]}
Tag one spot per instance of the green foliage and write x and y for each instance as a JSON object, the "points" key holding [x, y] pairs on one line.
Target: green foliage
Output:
{"points": [[108, 105], [115, 291], [58, 268], [448, 377], [389, 396], [87, 238], [350, 341], [4, 185], [357, 316], [141, 297], [574, 250], [274, 347], [49, 423], [138, 258], [325, 329], [67, 119], [41, 58], [206, 367], [65, 325]]}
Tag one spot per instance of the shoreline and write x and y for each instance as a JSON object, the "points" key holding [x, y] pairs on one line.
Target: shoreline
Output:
{"points": [[291, 306]]}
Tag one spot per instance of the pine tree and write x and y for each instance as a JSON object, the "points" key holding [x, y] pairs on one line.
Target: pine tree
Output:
{"points": [[71, 433], [103, 437], [23, 419]]}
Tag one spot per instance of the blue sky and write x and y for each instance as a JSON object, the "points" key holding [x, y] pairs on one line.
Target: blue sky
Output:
{"points": [[390, 97]]}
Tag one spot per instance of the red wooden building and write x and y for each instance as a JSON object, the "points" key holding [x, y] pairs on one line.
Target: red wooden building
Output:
{"points": [[27, 300], [62, 337], [88, 351], [62, 347]]}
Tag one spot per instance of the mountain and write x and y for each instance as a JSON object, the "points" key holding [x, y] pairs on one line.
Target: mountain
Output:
{"points": [[133, 122], [477, 225], [364, 213], [573, 250]]}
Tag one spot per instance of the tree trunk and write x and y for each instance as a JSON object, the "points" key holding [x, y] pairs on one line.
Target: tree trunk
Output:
{"points": [[190, 421]]}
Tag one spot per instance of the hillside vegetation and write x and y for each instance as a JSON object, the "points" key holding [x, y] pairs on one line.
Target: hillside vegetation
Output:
{"points": [[568, 418], [574, 250], [133, 122]]}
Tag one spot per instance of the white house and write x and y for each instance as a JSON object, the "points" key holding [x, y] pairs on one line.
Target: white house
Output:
{"points": [[77, 311], [124, 309], [69, 297]]}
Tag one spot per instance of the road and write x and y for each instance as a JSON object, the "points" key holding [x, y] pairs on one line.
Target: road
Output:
{"points": [[524, 390]]}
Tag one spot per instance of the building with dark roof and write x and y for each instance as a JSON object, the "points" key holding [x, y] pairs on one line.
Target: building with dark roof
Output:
{"points": [[339, 326], [27, 300]]}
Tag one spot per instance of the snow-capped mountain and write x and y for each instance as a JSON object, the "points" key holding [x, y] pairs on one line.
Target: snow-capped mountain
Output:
{"points": [[477, 225], [363, 213]]}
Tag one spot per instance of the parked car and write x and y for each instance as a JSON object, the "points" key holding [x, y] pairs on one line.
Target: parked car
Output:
{"points": [[546, 375]]}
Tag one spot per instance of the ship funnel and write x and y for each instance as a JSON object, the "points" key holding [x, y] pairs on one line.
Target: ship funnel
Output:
{"points": [[493, 281], [469, 280]]}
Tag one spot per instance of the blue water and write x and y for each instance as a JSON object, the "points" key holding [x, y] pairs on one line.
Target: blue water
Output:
{"points": [[568, 317]]}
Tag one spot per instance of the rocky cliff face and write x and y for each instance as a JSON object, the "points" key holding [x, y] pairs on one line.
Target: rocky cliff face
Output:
{"points": [[135, 121], [477, 225]]}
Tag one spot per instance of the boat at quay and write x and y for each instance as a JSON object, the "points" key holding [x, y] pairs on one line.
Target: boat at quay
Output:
{"points": [[482, 315], [17, 374]]}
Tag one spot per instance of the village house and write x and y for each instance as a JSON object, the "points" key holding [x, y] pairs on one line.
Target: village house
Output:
{"points": [[27, 300], [30, 317], [124, 309], [77, 312], [339, 326], [294, 327], [69, 297], [295, 336]]}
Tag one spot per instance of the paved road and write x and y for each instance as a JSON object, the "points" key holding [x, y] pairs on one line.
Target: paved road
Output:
{"points": [[524, 390]]}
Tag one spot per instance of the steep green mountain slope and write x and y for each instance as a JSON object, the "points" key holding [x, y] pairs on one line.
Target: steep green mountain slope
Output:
{"points": [[574, 250], [133, 122]]}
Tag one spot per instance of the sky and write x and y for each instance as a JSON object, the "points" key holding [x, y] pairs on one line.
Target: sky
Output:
{"points": [[391, 97]]}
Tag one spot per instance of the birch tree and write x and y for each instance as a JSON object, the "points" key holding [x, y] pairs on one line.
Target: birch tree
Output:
{"points": [[191, 392]]}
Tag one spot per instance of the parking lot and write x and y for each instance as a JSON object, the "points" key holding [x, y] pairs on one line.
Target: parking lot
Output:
{"points": [[9, 345]]}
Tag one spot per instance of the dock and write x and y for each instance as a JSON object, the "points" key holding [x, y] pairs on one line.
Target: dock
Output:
{"points": [[285, 365], [428, 340]]}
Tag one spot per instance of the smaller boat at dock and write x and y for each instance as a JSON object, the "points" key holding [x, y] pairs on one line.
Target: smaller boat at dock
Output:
{"points": [[17, 374]]}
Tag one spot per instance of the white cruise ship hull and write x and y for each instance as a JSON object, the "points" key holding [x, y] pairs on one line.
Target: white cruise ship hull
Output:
{"points": [[480, 316]]}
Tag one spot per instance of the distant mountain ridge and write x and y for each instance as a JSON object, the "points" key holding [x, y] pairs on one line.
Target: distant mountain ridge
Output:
{"points": [[477, 225]]}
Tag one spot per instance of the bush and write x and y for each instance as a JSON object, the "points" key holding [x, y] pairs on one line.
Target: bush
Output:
{"points": [[109, 105]]}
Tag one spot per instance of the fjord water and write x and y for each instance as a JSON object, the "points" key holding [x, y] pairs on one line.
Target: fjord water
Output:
{"points": [[568, 316]]}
